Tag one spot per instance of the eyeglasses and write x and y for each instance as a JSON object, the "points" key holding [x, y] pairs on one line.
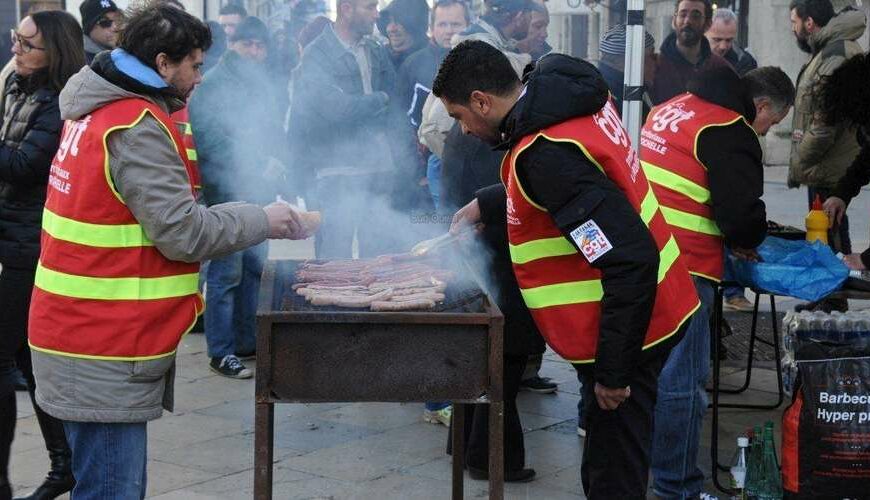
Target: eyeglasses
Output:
{"points": [[22, 42], [106, 23]]}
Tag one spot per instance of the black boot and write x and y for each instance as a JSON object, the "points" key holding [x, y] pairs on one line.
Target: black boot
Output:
{"points": [[59, 479]]}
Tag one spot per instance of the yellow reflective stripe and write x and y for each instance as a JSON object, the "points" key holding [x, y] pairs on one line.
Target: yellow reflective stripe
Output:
{"points": [[690, 222], [667, 256], [539, 249], [560, 246], [648, 206], [87, 287], [573, 292], [191, 154], [676, 183], [101, 358], [94, 235], [188, 130], [578, 292]]}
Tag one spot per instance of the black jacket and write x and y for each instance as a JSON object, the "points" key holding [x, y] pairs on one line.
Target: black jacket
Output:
{"points": [[238, 131], [415, 80], [733, 157], [856, 177], [29, 136], [741, 60], [561, 179]]}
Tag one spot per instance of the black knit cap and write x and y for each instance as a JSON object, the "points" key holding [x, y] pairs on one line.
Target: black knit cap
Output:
{"points": [[251, 28], [93, 10]]}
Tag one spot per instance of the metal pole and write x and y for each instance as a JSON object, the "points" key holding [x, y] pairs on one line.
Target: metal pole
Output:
{"points": [[632, 100]]}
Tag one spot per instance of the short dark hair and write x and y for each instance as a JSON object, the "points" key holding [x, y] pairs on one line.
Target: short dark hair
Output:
{"points": [[474, 65], [708, 7], [166, 29], [442, 4], [64, 48], [233, 9], [844, 95], [820, 10], [772, 83]]}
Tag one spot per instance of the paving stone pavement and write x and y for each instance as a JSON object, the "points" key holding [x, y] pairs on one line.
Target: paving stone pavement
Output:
{"points": [[357, 451]]}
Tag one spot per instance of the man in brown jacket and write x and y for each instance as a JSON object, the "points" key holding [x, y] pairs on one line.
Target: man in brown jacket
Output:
{"points": [[686, 51], [820, 151]]}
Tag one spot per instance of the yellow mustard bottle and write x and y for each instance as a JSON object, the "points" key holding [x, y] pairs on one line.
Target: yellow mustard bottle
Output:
{"points": [[817, 222]]}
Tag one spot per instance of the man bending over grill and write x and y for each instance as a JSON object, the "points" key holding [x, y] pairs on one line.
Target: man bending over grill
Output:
{"points": [[594, 258]]}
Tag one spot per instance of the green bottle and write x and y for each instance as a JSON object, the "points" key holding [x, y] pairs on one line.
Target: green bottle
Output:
{"points": [[770, 486], [753, 467]]}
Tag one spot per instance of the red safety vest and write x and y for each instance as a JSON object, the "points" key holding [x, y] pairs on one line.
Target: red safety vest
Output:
{"points": [[182, 121], [669, 155], [558, 284], [102, 289]]}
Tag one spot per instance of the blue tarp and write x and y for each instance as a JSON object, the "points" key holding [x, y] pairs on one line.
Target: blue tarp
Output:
{"points": [[808, 271]]}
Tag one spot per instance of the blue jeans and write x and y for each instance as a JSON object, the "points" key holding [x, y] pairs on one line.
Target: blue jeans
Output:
{"points": [[232, 285], [731, 292], [108, 460], [433, 175], [682, 402]]}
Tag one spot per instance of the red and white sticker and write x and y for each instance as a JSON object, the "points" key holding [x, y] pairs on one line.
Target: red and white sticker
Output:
{"points": [[591, 240]]}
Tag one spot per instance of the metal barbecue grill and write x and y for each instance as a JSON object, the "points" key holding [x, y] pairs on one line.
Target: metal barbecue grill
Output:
{"points": [[317, 354]]}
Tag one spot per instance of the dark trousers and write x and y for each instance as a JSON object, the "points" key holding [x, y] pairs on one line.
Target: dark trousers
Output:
{"points": [[838, 235], [477, 423], [616, 452], [16, 286]]}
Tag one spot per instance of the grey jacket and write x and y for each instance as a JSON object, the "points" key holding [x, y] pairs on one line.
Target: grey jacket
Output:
{"points": [[821, 152], [152, 180]]}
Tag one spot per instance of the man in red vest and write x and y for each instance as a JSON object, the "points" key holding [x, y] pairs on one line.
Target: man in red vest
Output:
{"points": [[700, 151], [116, 282], [595, 260]]}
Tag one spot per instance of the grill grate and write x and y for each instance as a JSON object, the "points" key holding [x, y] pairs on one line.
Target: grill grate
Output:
{"points": [[461, 296]]}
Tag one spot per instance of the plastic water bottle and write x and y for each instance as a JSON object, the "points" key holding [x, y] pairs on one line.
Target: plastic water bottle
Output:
{"points": [[738, 468]]}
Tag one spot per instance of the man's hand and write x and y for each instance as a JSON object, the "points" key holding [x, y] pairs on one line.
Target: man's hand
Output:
{"points": [[465, 216], [853, 261], [835, 209], [284, 222], [610, 399], [746, 254]]}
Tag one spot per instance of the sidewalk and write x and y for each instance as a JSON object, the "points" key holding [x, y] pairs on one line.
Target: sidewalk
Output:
{"points": [[366, 451]]}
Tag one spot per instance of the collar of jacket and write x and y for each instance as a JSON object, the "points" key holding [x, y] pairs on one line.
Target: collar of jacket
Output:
{"points": [[127, 72], [849, 24], [500, 41], [335, 47], [30, 84], [92, 47], [669, 50], [251, 73]]}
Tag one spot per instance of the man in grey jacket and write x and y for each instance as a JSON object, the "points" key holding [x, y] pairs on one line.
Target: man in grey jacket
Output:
{"points": [[106, 402]]}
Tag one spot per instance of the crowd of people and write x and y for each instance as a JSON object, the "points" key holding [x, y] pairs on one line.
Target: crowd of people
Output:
{"points": [[396, 125]]}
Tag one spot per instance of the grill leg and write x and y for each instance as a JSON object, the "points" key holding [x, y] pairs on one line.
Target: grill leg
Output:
{"points": [[458, 447], [264, 419], [496, 451]]}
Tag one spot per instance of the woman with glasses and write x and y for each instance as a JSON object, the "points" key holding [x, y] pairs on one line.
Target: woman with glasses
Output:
{"points": [[47, 48]]}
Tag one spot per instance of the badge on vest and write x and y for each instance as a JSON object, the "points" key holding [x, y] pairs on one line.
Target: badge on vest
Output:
{"points": [[591, 241]]}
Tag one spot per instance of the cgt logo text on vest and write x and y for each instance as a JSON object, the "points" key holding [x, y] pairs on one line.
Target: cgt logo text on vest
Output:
{"points": [[512, 218], [591, 241], [609, 122], [72, 133], [670, 117]]}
